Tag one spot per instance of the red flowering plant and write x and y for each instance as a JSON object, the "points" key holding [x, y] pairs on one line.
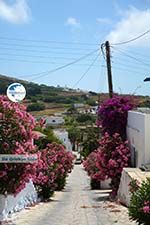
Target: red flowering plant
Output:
{"points": [[55, 162], [108, 160], [112, 115], [16, 137]]}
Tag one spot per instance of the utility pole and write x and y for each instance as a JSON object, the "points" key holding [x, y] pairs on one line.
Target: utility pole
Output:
{"points": [[108, 62]]}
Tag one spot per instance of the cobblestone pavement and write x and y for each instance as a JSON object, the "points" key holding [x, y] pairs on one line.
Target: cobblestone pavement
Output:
{"points": [[76, 205]]}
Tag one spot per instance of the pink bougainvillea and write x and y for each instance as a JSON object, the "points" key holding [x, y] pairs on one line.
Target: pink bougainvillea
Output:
{"points": [[16, 137], [108, 160], [112, 115]]}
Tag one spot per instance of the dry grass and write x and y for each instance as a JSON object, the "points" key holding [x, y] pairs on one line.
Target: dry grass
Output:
{"points": [[47, 112]]}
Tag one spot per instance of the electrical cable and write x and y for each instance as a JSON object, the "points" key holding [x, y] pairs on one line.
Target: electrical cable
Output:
{"points": [[133, 39], [39, 51], [132, 57], [84, 74], [46, 41], [44, 46], [140, 56], [38, 56], [129, 63], [45, 73], [126, 70], [41, 62]]}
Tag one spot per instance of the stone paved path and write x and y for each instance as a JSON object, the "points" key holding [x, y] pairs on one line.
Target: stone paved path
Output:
{"points": [[76, 205]]}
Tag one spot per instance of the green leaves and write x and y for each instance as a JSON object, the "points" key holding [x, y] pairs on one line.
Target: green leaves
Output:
{"points": [[139, 209]]}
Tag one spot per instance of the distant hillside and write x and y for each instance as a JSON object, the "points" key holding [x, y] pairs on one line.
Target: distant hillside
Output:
{"points": [[56, 99], [48, 97], [34, 89]]}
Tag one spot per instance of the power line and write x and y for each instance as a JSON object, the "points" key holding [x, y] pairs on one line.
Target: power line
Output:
{"points": [[126, 70], [129, 62], [132, 57], [47, 41], [39, 51], [39, 62], [45, 73], [44, 46], [133, 39], [138, 87], [37, 56], [84, 74], [137, 54]]}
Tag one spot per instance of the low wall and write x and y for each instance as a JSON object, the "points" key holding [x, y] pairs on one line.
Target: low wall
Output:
{"points": [[10, 204], [128, 174]]}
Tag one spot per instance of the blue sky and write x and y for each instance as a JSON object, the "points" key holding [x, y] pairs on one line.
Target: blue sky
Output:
{"points": [[39, 36]]}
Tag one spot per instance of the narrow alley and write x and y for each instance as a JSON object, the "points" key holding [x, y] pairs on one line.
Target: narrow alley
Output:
{"points": [[75, 205]]}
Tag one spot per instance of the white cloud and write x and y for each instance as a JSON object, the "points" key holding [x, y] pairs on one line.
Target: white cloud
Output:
{"points": [[133, 23], [71, 21], [74, 28], [104, 20], [17, 12]]}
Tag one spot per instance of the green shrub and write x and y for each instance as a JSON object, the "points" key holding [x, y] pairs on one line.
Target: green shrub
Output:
{"points": [[35, 107], [49, 138], [90, 142], [82, 118], [139, 209], [91, 102]]}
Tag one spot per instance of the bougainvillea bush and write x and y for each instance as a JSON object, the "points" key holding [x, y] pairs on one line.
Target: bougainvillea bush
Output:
{"points": [[108, 160], [16, 137], [139, 209], [112, 115], [55, 162]]}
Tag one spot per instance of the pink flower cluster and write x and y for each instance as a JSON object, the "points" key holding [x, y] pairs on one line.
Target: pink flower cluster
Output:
{"points": [[54, 164], [16, 137], [112, 115], [146, 207], [108, 160]]}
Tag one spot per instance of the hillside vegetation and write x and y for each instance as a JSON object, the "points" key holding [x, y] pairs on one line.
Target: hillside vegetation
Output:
{"points": [[48, 100]]}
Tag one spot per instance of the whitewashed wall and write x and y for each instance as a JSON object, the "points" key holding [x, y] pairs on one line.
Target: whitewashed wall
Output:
{"points": [[138, 134], [10, 204], [62, 134]]}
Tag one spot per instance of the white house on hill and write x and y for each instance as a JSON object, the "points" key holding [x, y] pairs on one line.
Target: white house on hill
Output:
{"points": [[54, 120]]}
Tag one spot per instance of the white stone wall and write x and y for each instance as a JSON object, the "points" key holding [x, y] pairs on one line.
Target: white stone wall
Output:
{"points": [[62, 134], [10, 204], [138, 134], [128, 174], [124, 195]]}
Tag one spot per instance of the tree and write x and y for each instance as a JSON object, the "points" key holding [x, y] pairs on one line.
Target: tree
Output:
{"points": [[74, 136], [90, 143], [72, 109]]}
